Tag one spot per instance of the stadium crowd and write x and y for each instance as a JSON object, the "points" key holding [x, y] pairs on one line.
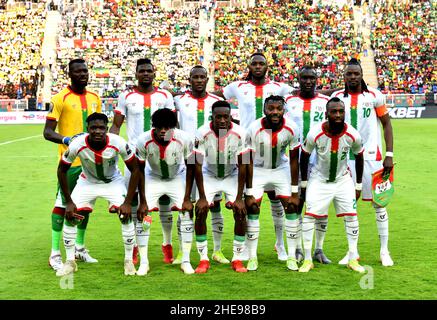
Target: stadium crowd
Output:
{"points": [[20, 51], [112, 35], [291, 33], [116, 36], [404, 42]]}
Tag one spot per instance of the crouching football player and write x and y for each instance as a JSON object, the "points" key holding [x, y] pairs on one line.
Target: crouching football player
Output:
{"points": [[98, 152]]}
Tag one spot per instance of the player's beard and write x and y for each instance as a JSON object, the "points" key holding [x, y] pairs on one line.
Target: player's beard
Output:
{"points": [[336, 127]]}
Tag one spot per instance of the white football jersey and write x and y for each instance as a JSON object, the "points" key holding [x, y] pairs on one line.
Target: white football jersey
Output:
{"points": [[164, 161], [138, 109], [332, 151], [306, 113], [99, 166], [220, 153], [251, 98], [194, 112], [270, 147], [363, 112]]}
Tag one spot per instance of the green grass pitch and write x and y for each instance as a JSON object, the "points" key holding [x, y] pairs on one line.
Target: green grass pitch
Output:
{"points": [[27, 192]]}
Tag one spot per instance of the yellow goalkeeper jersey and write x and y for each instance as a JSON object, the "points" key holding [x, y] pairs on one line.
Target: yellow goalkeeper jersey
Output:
{"points": [[70, 110]]}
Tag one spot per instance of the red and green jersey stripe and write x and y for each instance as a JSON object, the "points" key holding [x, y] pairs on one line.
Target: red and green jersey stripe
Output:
{"points": [[259, 101], [221, 157], [274, 149], [99, 167], [84, 105], [306, 117], [354, 118], [146, 112], [162, 163], [334, 159], [200, 112]]}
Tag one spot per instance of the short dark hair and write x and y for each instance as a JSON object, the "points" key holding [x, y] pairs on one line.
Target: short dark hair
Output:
{"points": [[334, 99], [274, 98], [74, 61], [97, 116], [220, 104], [257, 54], [164, 118], [198, 67], [142, 61], [307, 67]]}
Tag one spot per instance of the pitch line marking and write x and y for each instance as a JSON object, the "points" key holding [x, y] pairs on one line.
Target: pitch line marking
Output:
{"points": [[17, 140]]}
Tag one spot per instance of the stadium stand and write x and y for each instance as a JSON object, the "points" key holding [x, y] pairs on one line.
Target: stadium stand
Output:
{"points": [[290, 33], [20, 50], [112, 34], [112, 37], [404, 42]]}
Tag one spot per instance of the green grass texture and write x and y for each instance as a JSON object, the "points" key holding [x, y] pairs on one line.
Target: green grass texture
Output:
{"points": [[27, 192]]}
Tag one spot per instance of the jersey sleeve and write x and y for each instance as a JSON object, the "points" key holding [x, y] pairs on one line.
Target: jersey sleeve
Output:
{"points": [[177, 101], [357, 145], [169, 102], [199, 143], [99, 104], [230, 90], [121, 105], [286, 89], [188, 146], [141, 152], [242, 146], [56, 108], [126, 152], [295, 140], [380, 107], [250, 140], [309, 143], [70, 154]]}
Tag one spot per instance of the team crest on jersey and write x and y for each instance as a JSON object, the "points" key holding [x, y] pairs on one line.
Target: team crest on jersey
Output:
{"points": [[128, 149], [367, 104], [159, 105], [245, 93], [319, 108]]}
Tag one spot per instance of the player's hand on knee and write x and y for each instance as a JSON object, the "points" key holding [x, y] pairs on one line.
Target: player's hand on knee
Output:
{"points": [[250, 201], [202, 207], [240, 207], [187, 206], [125, 211], [70, 211], [142, 210]]}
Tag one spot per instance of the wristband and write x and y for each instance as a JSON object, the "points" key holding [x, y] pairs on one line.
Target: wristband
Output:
{"points": [[66, 140], [359, 186], [389, 154], [248, 192], [303, 184], [294, 189]]}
